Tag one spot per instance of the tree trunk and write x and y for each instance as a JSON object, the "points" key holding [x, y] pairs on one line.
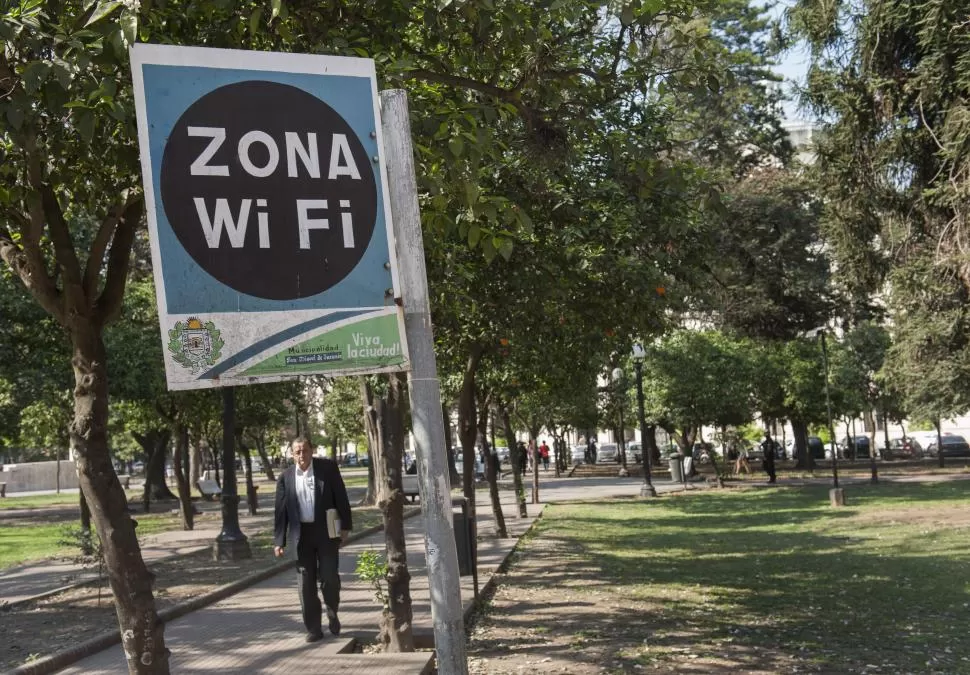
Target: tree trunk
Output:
{"points": [[131, 583], [515, 456], [155, 445], [87, 544], [939, 442], [533, 446], [556, 453], [252, 496], [449, 447], [333, 448], [805, 459], [491, 469], [180, 461], [468, 431], [384, 424], [260, 440], [195, 461], [370, 497]]}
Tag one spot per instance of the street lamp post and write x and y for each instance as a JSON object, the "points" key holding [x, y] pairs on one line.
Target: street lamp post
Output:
{"points": [[647, 489], [836, 494]]}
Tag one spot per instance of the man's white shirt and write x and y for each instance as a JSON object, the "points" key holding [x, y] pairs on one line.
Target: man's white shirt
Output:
{"points": [[305, 493]]}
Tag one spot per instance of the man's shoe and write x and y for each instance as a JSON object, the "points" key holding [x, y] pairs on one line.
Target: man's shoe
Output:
{"points": [[333, 622], [315, 636]]}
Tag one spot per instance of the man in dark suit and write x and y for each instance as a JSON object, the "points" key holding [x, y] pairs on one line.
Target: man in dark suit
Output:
{"points": [[304, 494]]}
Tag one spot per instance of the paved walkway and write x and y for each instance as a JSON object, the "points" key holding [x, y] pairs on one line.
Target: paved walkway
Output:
{"points": [[259, 629]]}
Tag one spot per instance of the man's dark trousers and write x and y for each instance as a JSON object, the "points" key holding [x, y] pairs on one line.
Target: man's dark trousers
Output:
{"points": [[316, 563]]}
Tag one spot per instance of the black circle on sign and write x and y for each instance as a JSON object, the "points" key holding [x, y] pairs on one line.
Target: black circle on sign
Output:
{"points": [[283, 270]]}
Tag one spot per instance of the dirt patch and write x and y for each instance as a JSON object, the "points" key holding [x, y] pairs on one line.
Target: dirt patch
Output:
{"points": [[940, 515], [555, 611], [40, 628]]}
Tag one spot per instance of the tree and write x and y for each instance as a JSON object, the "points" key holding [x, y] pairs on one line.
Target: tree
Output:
{"points": [[890, 84], [384, 420], [68, 213]]}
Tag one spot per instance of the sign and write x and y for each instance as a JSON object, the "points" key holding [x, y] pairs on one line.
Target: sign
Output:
{"points": [[268, 215]]}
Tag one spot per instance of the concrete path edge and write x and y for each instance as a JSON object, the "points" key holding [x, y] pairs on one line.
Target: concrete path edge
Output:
{"points": [[54, 662]]}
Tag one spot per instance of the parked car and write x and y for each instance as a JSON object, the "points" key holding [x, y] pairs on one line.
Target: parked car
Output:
{"points": [[350, 459], [479, 467], [634, 451], [953, 446], [907, 448], [861, 447], [817, 449], [608, 453], [503, 453], [577, 454]]}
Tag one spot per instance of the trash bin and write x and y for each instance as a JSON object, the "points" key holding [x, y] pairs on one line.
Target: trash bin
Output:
{"points": [[464, 537], [676, 469]]}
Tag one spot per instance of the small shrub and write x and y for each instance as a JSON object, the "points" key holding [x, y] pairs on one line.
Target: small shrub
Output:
{"points": [[372, 568]]}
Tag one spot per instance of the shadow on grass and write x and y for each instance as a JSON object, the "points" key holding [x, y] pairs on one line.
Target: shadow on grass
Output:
{"points": [[778, 572]]}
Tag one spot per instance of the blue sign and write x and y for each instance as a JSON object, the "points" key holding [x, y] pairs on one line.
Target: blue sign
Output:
{"points": [[266, 203]]}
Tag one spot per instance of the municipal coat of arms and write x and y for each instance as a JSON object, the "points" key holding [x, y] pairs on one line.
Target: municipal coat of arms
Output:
{"points": [[194, 344]]}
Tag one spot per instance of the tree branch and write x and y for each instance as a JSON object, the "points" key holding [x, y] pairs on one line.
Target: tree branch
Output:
{"points": [[92, 271], [459, 82], [108, 305]]}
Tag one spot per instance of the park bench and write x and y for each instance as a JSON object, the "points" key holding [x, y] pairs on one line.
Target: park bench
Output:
{"points": [[409, 486], [209, 489]]}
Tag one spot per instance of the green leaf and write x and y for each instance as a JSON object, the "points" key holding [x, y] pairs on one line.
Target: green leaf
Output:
{"points": [[456, 146], [488, 250], [525, 221], [34, 75], [627, 16], [63, 74], [85, 125], [505, 248], [275, 6], [471, 193], [254, 20], [713, 84], [15, 115], [474, 235], [102, 10], [129, 27], [442, 4]]}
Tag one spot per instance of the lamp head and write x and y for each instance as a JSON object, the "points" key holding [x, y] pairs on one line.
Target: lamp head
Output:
{"points": [[617, 374]]}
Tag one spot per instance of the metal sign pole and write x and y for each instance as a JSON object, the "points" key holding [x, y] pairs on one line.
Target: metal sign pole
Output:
{"points": [[424, 390]]}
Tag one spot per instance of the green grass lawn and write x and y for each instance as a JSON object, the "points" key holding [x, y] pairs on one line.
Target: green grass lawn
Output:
{"points": [[27, 542], [882, 585], [12, 501]]}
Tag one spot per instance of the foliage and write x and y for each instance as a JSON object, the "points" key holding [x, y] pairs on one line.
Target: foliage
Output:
{"points": [[771, 273], [372, 569], [890, 81], [696, 378]]}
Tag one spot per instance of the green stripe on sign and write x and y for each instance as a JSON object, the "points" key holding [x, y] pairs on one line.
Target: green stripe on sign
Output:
{"points": [[371, 343]]}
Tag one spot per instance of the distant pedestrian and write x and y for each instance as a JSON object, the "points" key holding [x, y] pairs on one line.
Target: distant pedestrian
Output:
{"points": [[523, 457], [769, 448], [741, 465], [544, 455]]}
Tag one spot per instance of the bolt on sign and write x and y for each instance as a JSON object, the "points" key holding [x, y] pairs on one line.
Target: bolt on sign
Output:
{"points": [[271, 234]]}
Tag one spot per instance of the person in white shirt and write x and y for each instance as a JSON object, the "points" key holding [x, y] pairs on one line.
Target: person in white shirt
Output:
{"points": [[307, 494]]}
